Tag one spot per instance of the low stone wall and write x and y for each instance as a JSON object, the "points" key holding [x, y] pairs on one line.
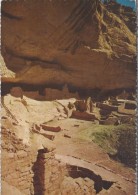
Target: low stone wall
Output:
{"points": [[17, 160], [30, 171]]}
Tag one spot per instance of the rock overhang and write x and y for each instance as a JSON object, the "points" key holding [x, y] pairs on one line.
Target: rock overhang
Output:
{"points": [[81, 47]]}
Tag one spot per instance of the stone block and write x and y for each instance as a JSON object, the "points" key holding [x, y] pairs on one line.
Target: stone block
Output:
{"points": [[49, 128]]}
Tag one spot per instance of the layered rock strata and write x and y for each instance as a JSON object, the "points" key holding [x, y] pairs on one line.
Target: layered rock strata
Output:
{"points": [[85, 45]]}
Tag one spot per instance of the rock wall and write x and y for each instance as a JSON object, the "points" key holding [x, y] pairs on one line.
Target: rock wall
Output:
{"points": [[48, 174], [31, 172], [125, 13], [83, 46], [17, 162]]}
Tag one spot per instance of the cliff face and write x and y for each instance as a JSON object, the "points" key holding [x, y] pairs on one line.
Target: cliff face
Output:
{"points": [[126, 14], [79, 43], [56, 50]]}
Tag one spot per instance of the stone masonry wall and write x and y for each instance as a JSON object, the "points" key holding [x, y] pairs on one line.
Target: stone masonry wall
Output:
{"points": [[17, 160], [49, 174], [40, 173], [32, 172]]}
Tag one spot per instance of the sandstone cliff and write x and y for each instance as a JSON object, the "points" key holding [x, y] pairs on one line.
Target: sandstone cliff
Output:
{"points": [[54, 144], [79, 43]]}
